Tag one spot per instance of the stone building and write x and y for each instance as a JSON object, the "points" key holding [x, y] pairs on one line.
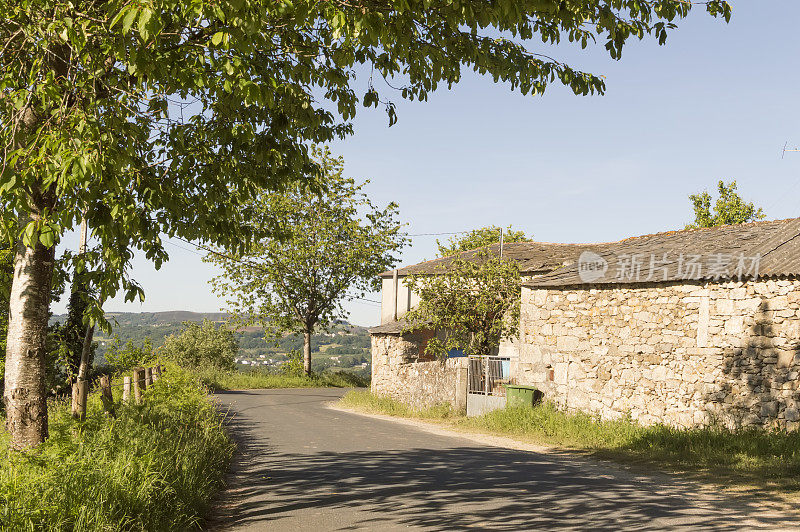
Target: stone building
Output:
{"points": [[400, 368], [687, 328]]}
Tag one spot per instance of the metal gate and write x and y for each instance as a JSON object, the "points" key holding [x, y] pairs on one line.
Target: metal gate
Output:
{"points": [[485, 380]]}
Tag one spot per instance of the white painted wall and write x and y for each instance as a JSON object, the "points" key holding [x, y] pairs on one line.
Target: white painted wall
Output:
{"points": [[406, 299], [387, 299]]}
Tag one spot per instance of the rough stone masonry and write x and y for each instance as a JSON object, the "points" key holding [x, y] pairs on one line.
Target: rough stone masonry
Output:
{"points": [[682, 353], [401, 371]]}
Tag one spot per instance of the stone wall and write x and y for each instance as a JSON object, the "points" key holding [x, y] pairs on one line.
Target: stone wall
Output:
{"points": [[398, 372], [682, 354]]}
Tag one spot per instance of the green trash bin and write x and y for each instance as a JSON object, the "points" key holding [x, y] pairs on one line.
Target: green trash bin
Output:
{"points": [[525, 396]]}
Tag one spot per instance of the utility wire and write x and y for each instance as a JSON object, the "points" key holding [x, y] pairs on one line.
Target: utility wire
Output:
{"points": [[439, 234], [255, 265]]}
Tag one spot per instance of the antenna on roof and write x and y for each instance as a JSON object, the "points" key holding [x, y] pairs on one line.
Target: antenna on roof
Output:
{"points": [[783, 153]]}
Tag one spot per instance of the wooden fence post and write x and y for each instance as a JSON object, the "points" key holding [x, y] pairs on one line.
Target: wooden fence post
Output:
{"points": [[138, 385], [107, 396], [80, 391], [148, 376], [126, 389]]}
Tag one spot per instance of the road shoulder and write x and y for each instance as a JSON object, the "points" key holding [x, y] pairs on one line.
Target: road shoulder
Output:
{"points": [[772, 505]]}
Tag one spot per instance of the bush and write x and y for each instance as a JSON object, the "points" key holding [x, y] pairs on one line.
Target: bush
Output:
{"points": [[131, 355], [201, 345], [294, 366], [155, 467]]}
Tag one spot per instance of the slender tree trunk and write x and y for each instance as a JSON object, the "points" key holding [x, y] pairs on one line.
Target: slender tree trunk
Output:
{"points": [[83, 368], [81, 387], [307, 352], [74, 328], [25, 396]]}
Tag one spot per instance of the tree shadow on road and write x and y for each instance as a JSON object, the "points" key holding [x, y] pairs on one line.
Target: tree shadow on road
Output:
{"points": [[464, 487]]}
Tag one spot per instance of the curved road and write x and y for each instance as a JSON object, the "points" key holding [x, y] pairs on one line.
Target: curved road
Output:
{"points": [[304, 466]]}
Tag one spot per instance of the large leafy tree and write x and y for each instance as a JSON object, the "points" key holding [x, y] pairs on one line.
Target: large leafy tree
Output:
{"points": [[478, 238], [328, 247], [472, 305], [729, 208], [164, 116]]}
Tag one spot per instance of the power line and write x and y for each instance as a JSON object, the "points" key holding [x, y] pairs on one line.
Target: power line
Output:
{"points": [[260, 267], [184, 248], [439, 234]]}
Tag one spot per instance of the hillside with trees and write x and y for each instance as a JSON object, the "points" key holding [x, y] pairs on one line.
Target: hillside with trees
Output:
{"points": [[344, 346]]}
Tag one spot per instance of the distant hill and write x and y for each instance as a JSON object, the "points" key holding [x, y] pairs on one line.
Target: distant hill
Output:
{"points": [[345, 346], [155, 318]]}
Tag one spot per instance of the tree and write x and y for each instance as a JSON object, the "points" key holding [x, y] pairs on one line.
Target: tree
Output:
{"points": [[329, 247], [473, 305], [165, 117], [729, 208], [201, 345], [478, 238]]}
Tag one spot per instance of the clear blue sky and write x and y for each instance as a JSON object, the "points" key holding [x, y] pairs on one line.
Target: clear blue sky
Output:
{"points": [[716, 102]]}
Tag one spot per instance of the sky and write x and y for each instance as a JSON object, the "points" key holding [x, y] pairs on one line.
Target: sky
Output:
{"points": [[717, 101]]}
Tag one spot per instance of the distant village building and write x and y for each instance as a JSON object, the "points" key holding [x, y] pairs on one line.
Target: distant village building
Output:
{"points": [[686, 328]]}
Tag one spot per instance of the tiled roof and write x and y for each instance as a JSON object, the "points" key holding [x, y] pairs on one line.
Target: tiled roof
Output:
{"points": [[725, 252], [392, 327], [533, 257]]}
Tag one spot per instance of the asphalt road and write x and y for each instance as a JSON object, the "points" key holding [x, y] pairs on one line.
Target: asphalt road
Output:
{"points": [[304, 466]]}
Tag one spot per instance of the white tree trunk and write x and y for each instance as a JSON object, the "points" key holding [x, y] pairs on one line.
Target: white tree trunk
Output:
{"points": [[307, 352], [25, 395]]}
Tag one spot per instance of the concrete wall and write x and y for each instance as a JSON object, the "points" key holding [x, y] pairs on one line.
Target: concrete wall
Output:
{"points": [[398, 373], [683, 354]]}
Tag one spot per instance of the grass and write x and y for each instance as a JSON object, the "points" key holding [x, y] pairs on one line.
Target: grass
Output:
{"points": [[154, 467], [748, 457], [366, 401], [219, 380]]}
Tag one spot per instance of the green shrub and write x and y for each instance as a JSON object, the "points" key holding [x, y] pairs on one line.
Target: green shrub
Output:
{"points": [[201, 345], [294, 366], [131, 355], [154, 467]]}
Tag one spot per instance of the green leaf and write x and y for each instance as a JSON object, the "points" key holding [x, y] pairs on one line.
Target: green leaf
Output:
{"points": [[47, 237], [144, 18], [217, 38], [129, 18], [29, 235]]}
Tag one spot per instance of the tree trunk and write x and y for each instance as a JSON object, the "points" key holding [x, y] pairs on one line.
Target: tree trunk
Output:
{"points": [[86, 351], [74, 328], [81, 387], [307, 352], [25, 396]]}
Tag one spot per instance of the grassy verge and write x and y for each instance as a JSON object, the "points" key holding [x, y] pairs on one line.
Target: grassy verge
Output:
{"points": [[752, 457], [154, 467], [219, 380], [366, 401]]}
